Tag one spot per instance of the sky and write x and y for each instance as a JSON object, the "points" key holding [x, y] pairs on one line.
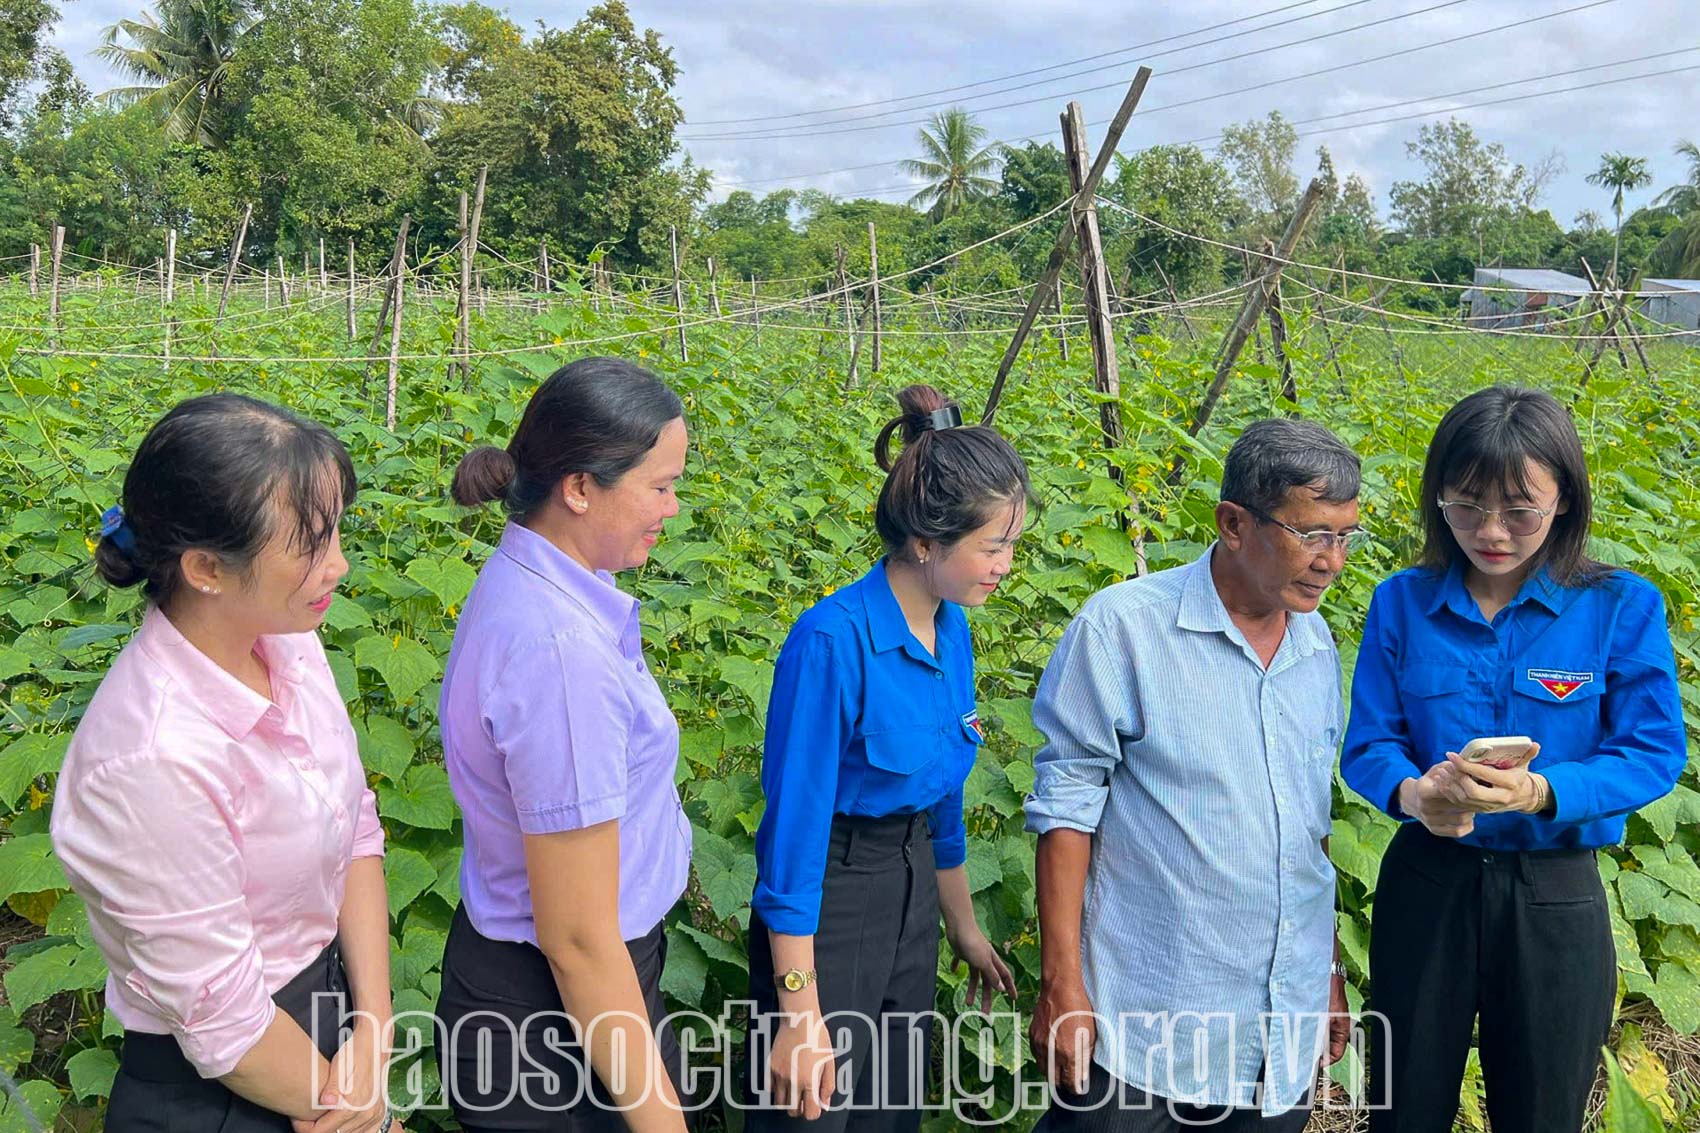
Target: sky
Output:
{"points": [[776, 93]]}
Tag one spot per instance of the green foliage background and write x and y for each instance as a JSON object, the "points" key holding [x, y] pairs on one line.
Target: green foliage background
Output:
{"points": [[778, 497]]}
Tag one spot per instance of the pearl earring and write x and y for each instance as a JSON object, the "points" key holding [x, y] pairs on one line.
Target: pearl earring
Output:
{"points": [[206, 589]]}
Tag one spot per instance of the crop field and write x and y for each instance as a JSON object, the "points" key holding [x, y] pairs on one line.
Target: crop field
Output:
{"points": [[778, 502]]}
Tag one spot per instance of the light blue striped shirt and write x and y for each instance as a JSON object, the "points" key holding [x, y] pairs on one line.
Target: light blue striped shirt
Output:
{"points": [[1205, 780]]}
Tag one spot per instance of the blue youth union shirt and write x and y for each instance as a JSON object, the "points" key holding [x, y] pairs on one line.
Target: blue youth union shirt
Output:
{"points": [[1585, 671], [862, 721]]}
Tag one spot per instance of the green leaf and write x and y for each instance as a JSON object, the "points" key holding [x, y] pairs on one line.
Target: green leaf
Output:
{"points": [[726, 873], [985, 869], [716, 949], [17, 1044], [31, 754], [1676, 993], [342, 668], [91, 1073], [1626, 1111], [27, 865], [42, 975], [1015, 714], [420, 953], [686, 973], [752, 678], [346, 613], [405, 665], [449, 579], [42, 1100], [386, 747], [1111, 548], [422, 799], [406, 875]]}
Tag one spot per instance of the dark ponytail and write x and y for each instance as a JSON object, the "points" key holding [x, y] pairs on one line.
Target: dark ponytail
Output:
{"points": [[599, 416], [947, 481]]}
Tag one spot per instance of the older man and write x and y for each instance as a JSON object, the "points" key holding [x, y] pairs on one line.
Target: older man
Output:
{"points": [[1186, 900]]}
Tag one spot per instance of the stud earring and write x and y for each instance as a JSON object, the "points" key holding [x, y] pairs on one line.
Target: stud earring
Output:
{"points": [[206, 589]]}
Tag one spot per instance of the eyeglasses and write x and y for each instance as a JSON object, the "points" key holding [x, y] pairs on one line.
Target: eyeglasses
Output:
{"points": [[1318, 542], [1461, 516]]}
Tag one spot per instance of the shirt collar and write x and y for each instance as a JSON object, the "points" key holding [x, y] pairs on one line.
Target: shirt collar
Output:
{"points": [[1454, 595], [1202, 610], [593, 591], [225, 700], [887, 627]]}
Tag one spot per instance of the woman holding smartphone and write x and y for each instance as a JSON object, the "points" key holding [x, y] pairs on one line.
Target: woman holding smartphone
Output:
{"points": [[1489, 901], [871, 732]]}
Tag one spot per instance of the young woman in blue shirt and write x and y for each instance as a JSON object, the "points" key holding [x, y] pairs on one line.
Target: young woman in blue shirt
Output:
{"points": [[1489, 902], [871, 733]]}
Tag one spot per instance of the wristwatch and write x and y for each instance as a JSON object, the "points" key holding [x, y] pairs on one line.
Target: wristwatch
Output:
{"points": [[795, 980], [1337, 968]]}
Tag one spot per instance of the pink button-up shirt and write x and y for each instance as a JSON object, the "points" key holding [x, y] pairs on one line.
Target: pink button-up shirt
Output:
{"points": [[209, 831]]}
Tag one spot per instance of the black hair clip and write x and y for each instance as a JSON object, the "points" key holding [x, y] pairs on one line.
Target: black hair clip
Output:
{"points": [[950, 417]]}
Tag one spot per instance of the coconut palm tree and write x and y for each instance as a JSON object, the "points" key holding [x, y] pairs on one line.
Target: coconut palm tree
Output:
{"points": [[1679, 252], [179, 56], [1621, 174], [954, 163]]}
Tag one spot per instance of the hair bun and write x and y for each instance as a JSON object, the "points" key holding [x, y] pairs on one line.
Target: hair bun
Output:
{"points": [[484, 474], [917, 404], [115, 566]]}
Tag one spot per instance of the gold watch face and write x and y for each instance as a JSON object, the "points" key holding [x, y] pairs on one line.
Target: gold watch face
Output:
{"points": [[793, 981]]}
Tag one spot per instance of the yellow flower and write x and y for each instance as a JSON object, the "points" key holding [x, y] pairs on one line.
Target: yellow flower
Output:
{"points": [[395, 642], [643, 352], [1080, 463], [76, 388], [451, 609], [90, 544], [38, 797], [711, 712]]}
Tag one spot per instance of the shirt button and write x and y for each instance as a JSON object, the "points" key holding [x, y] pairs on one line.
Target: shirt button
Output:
{"points": [[937, 676]]}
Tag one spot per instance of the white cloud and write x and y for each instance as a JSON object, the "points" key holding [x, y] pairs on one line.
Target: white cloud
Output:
{"points": [[765, 58]]}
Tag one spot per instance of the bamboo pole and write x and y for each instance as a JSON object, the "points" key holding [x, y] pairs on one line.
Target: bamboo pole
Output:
{"points": [[353, 329], [678, 294], [395, 332], [235, 256], [58, 260], [874, 290]]}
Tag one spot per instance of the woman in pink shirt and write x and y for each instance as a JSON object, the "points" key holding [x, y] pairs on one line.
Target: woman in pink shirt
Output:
{"points": [[212, 812], [561, 751]]}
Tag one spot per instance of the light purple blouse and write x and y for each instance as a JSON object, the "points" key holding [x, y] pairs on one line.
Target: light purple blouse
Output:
{"points": [[552, 721]]}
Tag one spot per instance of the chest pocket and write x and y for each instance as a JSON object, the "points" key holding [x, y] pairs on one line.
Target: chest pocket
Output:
{"points": [[1560, 687], [1429, 679], [902, 751]]}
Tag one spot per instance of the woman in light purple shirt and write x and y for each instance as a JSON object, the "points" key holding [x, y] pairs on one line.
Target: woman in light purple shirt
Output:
{"points": [[561, 752]]}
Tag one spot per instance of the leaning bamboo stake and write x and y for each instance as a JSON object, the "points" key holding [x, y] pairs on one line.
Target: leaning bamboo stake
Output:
{"points": [[874, 290], [235, 257]]}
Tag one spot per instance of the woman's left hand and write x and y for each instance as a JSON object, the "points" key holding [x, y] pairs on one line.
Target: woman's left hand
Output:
{"points": [[1488, 790], [987, 973], [357, 1093]]}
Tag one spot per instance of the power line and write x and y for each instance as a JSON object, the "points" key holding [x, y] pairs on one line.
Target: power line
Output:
{"points": [[1017, 74], [807, 131], [1224, 94], [1430, 98]]}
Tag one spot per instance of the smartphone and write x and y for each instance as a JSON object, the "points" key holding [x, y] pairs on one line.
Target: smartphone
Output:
{"points": [[1501, 752]]}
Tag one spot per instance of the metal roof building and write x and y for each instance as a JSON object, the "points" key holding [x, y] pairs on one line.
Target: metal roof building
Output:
{"points": [[1673, 302], [1520, 297]]}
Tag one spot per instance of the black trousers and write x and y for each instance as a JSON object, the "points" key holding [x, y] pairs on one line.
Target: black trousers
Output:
{"points": [[1112, 1106], [508, 1056], [877, 955], [157, 1090], [1520, 939]]}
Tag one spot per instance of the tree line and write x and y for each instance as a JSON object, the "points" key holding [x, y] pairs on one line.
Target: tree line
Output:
{"points": [[332, 118]]}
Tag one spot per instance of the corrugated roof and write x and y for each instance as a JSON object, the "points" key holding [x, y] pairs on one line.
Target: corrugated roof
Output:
{"points": [[1533, 279], [1676, 284]]}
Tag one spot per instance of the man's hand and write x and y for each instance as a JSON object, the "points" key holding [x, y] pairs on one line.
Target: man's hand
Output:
{"points": [[1062, 1033], [1430, 800], [1339, 1019]]}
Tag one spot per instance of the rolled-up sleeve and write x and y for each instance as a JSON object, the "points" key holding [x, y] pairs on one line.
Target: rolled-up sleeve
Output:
{"points": [[809, 720], [561, 720], [368, 833], [151, 843], [1645, 746], [1086, 706]]}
